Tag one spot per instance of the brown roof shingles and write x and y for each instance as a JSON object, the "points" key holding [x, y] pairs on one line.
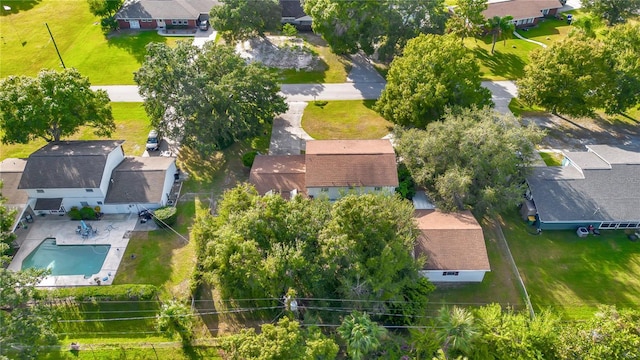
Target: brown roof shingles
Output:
{"points": [[341, 163], [282, 173], [520, 9], [451, 241]]}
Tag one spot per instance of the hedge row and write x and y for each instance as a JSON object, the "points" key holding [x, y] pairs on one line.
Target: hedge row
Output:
{"points": [[111, 292]]}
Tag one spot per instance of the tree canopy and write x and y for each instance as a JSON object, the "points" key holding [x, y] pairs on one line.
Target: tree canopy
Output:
{"points": [[467, 19], [26, 325], [613, 11], [359, 247], [209, 98], [474, 159], [51, 106], [353, 25], [433, 73], [7, 217], [104, 8], [242, 19], [499, 28], [578, 75]]}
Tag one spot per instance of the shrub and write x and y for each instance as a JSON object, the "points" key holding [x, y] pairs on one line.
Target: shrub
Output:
{"points": [[109, 24], [88, 213], [165, 216], [320, 103], [74, 214], [247, 158], [407, 187], [289, 30]]}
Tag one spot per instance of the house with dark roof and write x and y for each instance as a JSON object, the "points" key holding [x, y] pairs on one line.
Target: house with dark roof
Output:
{"points": [[598, 187], [164, 14], [525, 13], [69, 174], [453, 244], [329, 168], [292, 13]]}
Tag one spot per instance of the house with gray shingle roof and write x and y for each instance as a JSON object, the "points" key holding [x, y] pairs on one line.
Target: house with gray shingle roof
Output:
{"points": [[67, 174], [598, 187], [164, 14]]}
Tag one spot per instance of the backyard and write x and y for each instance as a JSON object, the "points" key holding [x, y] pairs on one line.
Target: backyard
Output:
{"points": [[572, 275]]}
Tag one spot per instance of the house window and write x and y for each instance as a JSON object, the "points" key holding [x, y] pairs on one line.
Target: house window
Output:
{"points": [[633, 225], [40, 191], [84, 203], [450, 273], [99, 202], [179, 22], [88, 190], [623, 225], [145, 20], [377, 188], [324, 189], [545, 12]]}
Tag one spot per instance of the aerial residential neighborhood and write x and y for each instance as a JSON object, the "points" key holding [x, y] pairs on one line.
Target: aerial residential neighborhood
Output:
{"points": [[319, 179]]}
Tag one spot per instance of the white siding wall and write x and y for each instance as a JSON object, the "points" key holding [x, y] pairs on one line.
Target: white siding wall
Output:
{"points": [[168, 183], [463, 275], [334, 193], [113, 159]]}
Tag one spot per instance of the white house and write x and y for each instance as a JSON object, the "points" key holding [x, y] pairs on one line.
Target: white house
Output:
{"points": [[335, 167], [69, 174], [454, 246]]}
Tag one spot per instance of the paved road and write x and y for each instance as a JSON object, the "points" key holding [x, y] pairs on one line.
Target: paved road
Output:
{"points": [[292, 92]]}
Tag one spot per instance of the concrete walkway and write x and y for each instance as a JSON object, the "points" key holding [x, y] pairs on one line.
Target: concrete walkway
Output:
{"points": [[528, 40], [287, 136], [202, 37], [501, 94]]}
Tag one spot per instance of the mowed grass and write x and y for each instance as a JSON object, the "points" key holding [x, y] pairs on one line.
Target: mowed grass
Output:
{"points": [[508, 60], [499, 285], [551, 158], [335, 67], [132, 125], [344, 120], [26, 46], [548, 31], [573, 275], [143, 352], [161, 257]]}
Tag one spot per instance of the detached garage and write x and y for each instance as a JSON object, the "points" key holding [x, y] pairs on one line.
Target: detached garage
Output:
{"points": [[453, 244]]}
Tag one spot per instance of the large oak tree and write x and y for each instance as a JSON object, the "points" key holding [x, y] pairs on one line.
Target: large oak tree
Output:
{"points": [[433, 73], [51, 106], [208, 98], [613, 11], [242, 19], [474, 159], [353, 25]]}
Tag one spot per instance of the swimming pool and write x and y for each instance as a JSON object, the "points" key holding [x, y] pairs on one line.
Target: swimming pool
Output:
{"points": [[67, 259]]}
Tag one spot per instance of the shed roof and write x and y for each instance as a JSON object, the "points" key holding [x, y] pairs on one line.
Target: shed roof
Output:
{"points": [[68, 164], [451, 241], [519, 9], [139, 180]]}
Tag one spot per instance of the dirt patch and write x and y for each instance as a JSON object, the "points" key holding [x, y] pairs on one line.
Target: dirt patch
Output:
{"points": [[282, 52], [575, 133]]}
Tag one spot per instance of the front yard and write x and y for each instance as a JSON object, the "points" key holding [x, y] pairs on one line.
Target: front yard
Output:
{"points": [[573, 275], [26, 46], [356, 119]]}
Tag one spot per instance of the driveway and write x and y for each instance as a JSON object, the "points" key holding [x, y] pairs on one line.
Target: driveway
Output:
{"points": [[287, 135], [501, 94]]}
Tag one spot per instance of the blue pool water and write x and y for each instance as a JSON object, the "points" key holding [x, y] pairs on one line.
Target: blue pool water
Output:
{"points": [[67, 259]]}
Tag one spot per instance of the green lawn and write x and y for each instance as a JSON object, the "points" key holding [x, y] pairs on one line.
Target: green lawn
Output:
{"points": [[138, 352], [161, 257], [335, 70], [26, 46], [499, 285], [551, 158], [132, 125], [508, 60], [549, 30], [573, 275], [344, 120]]}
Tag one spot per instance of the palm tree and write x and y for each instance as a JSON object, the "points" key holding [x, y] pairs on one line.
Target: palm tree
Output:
{"points": [[456, 329], [361, 335], [500, 28]]}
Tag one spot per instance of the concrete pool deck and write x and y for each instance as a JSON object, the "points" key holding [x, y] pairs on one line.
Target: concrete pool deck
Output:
{"points": [[112, 229]]}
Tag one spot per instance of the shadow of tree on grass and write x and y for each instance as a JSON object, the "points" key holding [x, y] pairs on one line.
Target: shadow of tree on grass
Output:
{"points": [[135, 42], [16, 6], [506, 65]]}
